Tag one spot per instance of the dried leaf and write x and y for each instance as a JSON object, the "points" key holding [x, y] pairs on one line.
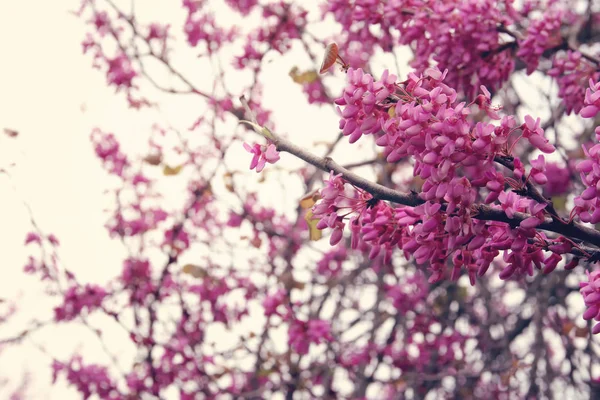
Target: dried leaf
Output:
{"points": [[171, 171], [194, 270], [228, 181], [153, 159], [582, 332], [298, 285], [331, 54], [11, 132], [310, 199], [560, 202], [568, 327], [305, 77], [256, 242], [263, 373], [313, 232]]}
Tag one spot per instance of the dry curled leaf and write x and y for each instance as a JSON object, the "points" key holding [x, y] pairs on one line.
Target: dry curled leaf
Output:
{"points": [[303, 78], [171, 171], [153, 159], [310, 199], [313, 232], [11, 132], [194, 270], [331, 55]]}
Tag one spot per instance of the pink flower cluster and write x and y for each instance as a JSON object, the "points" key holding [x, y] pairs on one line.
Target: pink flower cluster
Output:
{"points": [[120, 71], [405, 295], [203, 28], [587, 205], [272, 303], [137, 279], [89, 380], [281, 23], [244, 7], [559, 180], [79, 298], [302, 334], [108, 150], [262, 155], [590, 291], [541, 35], [330, 266], [315, 92], [421, 119], [442, 31], [572, 73], [592, 100]]}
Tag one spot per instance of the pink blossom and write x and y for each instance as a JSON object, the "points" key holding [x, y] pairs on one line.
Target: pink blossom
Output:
{"points": [[273, 301], [592, 100], [559, 179], [120, 71], [590, 291], [262, 155], [78, 299], [572, 72], [535, 134], [541, 35], [302, 334], [33, 237]]}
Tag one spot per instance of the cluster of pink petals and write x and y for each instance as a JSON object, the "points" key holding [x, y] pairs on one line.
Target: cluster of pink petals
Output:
{"points": [[203, 28], [405, 295], [272, 302], [541, 35], [572, 73], [137, 279], [326, 210], [302, 334], [244, 7], [120, 71], [330, 265], [262, 155], [281, 23], [108, 150], [590, 291], [421, 118], [559, 180], [315, 92], [101, 22], [79, 298], [587, 205], [533, 131], [138, 221], [592, 100], [442, 31], [359, 99], [88, 379]]}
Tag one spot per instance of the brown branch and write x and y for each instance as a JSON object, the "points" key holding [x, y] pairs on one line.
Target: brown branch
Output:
{"points": [[481, 211]]}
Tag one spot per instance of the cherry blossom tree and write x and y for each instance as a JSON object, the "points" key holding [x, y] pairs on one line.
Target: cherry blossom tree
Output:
{"points": [[451, 253]]}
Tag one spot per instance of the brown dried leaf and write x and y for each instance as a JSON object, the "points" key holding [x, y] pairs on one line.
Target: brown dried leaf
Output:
{"points": [[310, 199], [582, 332], [303, 78], [194, 270], [171, 171], [11, 133], [568, 327], [313, 233], [153, 159]]}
